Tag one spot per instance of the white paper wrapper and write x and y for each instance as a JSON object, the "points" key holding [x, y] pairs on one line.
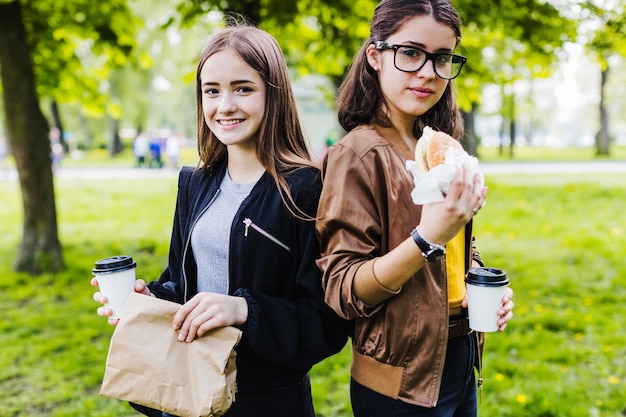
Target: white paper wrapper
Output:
{"points": [[432, 186]]}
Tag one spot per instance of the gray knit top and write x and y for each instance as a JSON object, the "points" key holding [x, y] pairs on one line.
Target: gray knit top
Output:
{"points": [[210, 237]]}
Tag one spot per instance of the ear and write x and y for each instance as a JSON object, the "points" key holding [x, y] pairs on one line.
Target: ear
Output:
{"points": [[373, 57]]}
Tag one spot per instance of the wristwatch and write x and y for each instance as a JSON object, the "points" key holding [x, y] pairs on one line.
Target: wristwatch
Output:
{"points": [[431, 251]]}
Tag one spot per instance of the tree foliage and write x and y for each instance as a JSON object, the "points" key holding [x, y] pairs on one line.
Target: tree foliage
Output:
{"points": [[62, 50], [76, 44]]}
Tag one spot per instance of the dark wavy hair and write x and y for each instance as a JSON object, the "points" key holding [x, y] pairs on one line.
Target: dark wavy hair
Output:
{"points": [[360, 100], [281, 146]]}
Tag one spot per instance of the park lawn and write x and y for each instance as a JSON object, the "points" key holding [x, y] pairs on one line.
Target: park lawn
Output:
{"points": [[560, 238]]}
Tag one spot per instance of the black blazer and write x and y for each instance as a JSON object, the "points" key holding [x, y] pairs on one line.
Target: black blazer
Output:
{"points": [[289, 327]]}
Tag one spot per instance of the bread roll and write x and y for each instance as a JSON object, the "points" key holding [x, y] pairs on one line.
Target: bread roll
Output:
{"points": [[431, 149]]}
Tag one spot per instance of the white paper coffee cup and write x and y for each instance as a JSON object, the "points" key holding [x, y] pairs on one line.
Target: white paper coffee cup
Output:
{"points": [[485, 289], [116, 280]]}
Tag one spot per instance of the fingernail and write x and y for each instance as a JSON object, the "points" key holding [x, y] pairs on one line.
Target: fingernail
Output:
{"points": [[181, 337]]}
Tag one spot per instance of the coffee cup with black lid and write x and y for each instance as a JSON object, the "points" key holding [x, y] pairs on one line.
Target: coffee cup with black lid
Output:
{"points": [[485, 288], [116, 280]]}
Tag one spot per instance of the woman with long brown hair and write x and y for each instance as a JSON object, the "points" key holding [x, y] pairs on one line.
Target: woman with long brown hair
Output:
{"points": [[243, 245]]}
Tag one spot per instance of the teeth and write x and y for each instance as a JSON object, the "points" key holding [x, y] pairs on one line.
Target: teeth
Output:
{"points": [[230, 122]]}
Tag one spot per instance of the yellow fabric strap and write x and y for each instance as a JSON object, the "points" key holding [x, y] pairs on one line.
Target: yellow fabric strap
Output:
{"points": [[455, 266]]}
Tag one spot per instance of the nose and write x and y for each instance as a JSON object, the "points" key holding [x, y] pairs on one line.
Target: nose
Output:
{"points": [[227, 104], [428, 69]]}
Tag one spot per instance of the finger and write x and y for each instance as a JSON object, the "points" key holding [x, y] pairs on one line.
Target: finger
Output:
{"points": [[508, 293], [142, 288], [104, 311], [506, 308], [502, 321], [181, 315], [94, 282], [205, 327], [99, 298], [188, 329], [456, 184], [113, 322], [194, 326]]}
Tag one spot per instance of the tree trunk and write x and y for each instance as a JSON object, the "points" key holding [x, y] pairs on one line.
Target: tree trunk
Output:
{"points": [[27, 131], [602, 137], [116, 141], [470, 141], [512, 126]]}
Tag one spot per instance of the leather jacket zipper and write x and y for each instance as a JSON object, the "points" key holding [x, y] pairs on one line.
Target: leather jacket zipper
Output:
{"points": [[249, 224]]}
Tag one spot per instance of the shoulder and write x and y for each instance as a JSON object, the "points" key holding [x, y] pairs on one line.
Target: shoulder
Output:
{"points": [[361, 140], [304, 180], [363, 147]]}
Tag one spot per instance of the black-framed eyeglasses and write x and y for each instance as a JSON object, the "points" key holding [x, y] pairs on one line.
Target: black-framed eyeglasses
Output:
{"points": [[413, 59]]}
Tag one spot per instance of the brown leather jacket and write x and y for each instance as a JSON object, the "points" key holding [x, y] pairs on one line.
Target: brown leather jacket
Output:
{"points": [[365, 210]]}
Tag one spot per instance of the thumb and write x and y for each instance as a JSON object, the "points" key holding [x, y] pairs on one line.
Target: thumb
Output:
{"points": [[140, 287]]}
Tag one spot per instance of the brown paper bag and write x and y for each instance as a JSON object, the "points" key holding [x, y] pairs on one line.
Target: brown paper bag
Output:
{"points": [[147, 364]]}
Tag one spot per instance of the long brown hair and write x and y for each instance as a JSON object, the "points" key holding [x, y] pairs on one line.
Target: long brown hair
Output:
{"points": [[281, 146], [360, 99]]}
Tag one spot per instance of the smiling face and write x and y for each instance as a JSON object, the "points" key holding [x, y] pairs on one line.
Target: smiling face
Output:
{"points": [[233, 99], [411, 94]]}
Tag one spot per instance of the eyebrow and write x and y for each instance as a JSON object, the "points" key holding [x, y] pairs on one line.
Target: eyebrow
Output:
{"points": [[422, 46], [234, 82]]}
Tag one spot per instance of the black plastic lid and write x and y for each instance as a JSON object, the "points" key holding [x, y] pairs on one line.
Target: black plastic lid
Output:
{"points": [[487, 277], [114, 264]]}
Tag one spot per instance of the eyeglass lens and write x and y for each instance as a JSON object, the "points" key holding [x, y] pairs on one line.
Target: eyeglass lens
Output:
{"points": [[412, 59]]}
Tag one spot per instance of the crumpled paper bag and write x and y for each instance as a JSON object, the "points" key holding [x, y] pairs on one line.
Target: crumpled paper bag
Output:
{"points": [[147, 364], [432, 186]]}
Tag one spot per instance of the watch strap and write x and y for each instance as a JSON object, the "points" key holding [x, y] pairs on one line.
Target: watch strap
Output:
{"points": [[431, 251]]}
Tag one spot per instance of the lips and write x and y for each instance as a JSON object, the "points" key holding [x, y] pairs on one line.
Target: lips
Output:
{"points": [[230, 122], [421, 92]]}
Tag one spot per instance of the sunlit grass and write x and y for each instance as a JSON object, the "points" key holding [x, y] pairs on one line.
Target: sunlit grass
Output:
{"points": [[560, 238], [541, 153]]}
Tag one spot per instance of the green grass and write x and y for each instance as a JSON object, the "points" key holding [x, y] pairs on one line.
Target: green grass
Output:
{"points": [[561, 240], [547, 154]]}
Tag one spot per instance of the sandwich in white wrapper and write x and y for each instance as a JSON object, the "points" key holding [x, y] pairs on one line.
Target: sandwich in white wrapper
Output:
{"points": [[437, 156]]}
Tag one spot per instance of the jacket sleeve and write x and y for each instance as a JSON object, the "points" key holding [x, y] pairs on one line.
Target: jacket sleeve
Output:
{"points": [[299, 331], [349, 229]]}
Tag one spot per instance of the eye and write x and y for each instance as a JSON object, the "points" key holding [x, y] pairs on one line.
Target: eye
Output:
{"points": [[444, 59], [244, 89], [410, 53], [210, 91]]}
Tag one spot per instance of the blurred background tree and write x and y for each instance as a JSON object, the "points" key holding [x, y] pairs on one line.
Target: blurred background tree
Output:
{"points": [[603, 31], [60, 50]]}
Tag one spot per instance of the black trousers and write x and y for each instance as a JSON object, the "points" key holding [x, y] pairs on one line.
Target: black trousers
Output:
{"points": [[291, 401]]}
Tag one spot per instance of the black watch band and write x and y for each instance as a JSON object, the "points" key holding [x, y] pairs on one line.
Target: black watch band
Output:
{"points": [[431, 251]]}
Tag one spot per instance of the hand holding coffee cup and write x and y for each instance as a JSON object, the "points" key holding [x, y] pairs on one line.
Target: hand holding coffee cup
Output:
{"points": [[485, 289], [116, 279]]}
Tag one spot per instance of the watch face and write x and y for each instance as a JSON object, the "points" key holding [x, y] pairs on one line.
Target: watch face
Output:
{"points": [[434, 254]]}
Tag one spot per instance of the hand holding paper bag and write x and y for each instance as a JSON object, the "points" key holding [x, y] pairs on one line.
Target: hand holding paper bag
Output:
{"points": [[147, 365]]}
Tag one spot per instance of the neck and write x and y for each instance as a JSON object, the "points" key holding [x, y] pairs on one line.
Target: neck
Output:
{"points": [[402, 127], [243, 166], [398, 137]]}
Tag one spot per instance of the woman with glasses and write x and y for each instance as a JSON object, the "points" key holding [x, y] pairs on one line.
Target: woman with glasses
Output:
{"points": [[395, 268]]}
